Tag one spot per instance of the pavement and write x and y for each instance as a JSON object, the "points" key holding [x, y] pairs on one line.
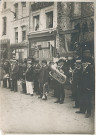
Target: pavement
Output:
{"points": [[20, 113]]}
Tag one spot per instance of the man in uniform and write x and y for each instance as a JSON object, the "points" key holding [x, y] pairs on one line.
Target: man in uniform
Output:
{"points": [[43, 80], [60, 87], [14, 75], [86, 101]]}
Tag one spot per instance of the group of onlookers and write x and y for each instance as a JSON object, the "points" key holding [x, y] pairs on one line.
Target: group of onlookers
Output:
{"points": [[35, 78]]}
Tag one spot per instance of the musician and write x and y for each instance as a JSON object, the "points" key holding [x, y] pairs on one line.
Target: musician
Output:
{"points": [[37, 68], [86, 100], [29, 78], [43, 80], [14, 75], [60, 87], [24, 68], [6, 68], [77, 81]]}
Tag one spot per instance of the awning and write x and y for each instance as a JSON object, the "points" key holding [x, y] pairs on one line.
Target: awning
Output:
{"points": [[19, 45], [39, 34]]}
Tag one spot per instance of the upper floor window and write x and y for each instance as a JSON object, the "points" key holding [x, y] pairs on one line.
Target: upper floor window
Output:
{"points": [[36, 22], [49, 19], [77, 9], [23, 33], [4, 25], [16, 35], [24, 9], [5, 5], [16, 10]]}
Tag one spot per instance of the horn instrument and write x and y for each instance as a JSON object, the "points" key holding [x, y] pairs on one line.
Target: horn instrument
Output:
{"points": [[57, 74]]}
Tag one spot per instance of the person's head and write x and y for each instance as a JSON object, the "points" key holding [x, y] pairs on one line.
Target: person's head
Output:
{"points": [[44, 63], [29, 63], [87, 55], [61, 62]]}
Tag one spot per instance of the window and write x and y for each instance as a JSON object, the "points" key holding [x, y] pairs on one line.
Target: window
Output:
{"points": [[4, 25], [77, 9], [23, 33], [16, 35], [16, 10], [24, 9], [49, 19], [5, 5], [36, 22]]}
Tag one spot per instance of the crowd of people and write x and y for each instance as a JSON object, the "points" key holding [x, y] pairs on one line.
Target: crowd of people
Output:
{"points": [[35, 78]]}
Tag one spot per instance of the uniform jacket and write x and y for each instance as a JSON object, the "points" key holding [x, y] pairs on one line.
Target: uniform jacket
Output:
{"points": [[14, 72], [87, 78], [29, 74], [44, 75]]}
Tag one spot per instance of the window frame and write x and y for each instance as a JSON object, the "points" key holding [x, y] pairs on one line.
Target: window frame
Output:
{"points": [[4, 25], [35, 25], [48, 14], [16, 35], [23, 9], [4, 5], [16, 10], [24, 30]]}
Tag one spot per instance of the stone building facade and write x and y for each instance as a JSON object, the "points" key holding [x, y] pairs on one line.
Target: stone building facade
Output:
{"points": [[44, 29], [15, 27], [72, 22], [76, 24]]}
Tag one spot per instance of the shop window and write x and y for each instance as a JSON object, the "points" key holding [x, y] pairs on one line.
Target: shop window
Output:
{"points": [[4, 25], [36, 22], [23, 33], [16, 10], [24, 9], [16, 35], [5, 5], [49, 19]]}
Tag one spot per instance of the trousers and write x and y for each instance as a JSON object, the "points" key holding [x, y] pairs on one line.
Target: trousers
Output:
{"points": [[61, 92], [29, 87], [14, 84], [86, 102]]}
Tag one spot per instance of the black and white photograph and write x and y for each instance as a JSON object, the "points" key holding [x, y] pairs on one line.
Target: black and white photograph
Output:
{"points": [[47, 67]]}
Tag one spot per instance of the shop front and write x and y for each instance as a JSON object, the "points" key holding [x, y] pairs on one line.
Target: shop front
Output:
{"points": [[20, 51], [5, 48], [42, 46]]}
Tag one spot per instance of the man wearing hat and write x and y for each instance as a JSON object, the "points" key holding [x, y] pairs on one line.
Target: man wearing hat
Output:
{"points": [[37, 68], [77, 83], [86, 104], [14, 75], [60, 87], [29, 78], [43, 80]]}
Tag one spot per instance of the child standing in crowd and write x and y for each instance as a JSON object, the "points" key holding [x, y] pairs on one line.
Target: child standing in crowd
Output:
{"points": [[29, 78], [43, 80]]}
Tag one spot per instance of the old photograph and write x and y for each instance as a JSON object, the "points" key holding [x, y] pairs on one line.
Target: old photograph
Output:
{"points": [[47, 67]]}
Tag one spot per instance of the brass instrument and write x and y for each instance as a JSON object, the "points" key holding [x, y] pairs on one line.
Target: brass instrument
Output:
{"points": [[57, 74]]}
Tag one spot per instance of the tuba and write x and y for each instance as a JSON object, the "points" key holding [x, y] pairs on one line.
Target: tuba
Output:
{"points": [[57, 75]]}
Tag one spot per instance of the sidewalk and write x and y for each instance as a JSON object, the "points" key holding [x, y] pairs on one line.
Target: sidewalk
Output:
{"points": [[22, 113]]}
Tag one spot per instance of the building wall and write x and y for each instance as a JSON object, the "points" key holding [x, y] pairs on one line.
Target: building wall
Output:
{"points": [[42, 40], [64, 23], [72, 16], [12, 23], [5, 13], [42, 15]]}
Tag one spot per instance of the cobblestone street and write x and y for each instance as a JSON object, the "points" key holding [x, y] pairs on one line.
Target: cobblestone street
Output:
{"points": [[20, 113]]}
